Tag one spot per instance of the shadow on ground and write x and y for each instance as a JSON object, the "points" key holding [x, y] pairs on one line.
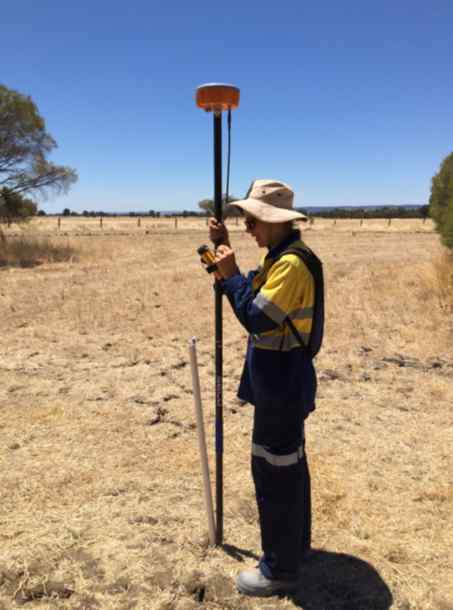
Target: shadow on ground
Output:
{"points": [[236, 553], [334, 581]]}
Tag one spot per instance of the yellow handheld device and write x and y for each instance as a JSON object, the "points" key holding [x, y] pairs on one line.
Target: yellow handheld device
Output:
{"points": [[208, 259]]}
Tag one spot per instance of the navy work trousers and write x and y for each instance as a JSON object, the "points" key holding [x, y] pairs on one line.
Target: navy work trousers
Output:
{"points": [[283, 491]]}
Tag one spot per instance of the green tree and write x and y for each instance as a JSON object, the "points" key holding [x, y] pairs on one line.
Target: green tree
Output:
{"points": [[227, 210], [15, 207], [424, 211], [441, 201], [24, 147]]}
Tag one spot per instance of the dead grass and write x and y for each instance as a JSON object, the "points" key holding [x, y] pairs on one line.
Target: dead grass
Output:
{"points": [[29, 251], [100, 482], [443, 273]]}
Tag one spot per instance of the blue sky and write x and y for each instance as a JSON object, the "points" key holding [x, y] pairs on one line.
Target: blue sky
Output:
{"points": [[349, 102]]}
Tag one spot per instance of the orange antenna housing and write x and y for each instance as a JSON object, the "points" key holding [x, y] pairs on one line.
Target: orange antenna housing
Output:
{"points": [[217, 97]]}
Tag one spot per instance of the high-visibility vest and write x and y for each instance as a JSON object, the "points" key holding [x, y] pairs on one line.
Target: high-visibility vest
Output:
{"points": [[314, 266]]}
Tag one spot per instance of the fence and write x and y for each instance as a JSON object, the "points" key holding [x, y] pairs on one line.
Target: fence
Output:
{"points": [[124, 225]]}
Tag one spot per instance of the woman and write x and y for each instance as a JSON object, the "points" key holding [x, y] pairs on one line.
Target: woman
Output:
{"points": [[275, 305]]}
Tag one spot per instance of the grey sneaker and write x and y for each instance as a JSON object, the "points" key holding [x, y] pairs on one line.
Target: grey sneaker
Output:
{"points": [[253, 582]]}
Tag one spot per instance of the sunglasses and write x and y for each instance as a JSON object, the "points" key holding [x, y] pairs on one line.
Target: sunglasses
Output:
{"points": [[250, 223]]}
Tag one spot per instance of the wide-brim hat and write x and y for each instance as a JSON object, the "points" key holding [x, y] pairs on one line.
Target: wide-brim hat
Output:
{"points": [[270, 201]]}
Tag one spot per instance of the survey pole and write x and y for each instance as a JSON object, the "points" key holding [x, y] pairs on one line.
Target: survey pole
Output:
{"points": [[217, 98], [218, 337]]}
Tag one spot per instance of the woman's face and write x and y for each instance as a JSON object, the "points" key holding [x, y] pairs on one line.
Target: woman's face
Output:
{"points": [[258, 229], [267, 234]]}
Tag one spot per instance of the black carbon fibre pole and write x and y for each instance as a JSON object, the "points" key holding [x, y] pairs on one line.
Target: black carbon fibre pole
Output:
{"points": [[217, 98], [218, 337]]}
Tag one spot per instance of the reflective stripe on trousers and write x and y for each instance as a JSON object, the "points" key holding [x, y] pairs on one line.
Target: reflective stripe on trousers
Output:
{"points": [[278, 460], [282, 487]]}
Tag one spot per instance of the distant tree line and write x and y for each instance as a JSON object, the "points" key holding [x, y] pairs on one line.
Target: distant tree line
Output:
{"points": [[383, 212], [149, 213], [229, 211]]}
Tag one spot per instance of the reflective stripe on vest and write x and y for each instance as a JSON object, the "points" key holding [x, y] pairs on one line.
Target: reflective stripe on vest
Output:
{"points": [[279, 343], [274, 312], [303, 313], [270, 309]]}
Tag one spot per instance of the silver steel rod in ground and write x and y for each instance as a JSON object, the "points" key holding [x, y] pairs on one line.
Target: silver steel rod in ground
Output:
{"points": [[202, 441]]}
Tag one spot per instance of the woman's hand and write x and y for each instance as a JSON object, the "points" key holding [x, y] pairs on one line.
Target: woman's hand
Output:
{"points": [[226, 262], [218, 233]]}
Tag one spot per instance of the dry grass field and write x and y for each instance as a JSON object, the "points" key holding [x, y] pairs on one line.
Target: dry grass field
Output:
{"points": [[100, 484]]}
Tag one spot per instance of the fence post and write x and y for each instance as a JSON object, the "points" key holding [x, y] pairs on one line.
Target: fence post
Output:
{"points": [[100, 221], [361, 221], [139, 222], [389, 222], [176, 222], [59, 223]]}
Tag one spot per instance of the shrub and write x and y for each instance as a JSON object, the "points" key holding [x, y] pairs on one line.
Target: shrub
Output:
{"points": [[441, 201], [28, 252]]}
